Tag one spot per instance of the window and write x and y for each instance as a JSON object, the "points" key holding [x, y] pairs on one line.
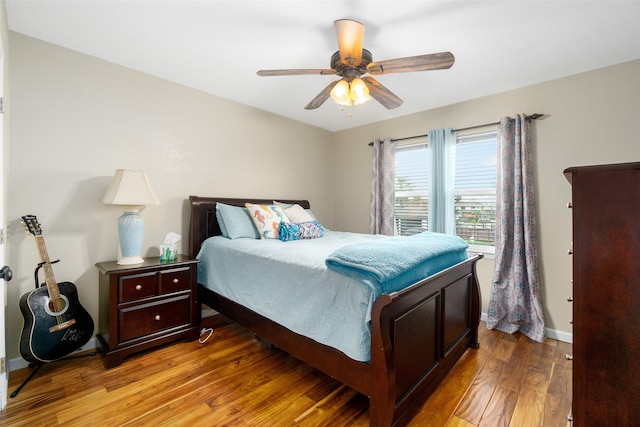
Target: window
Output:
{"points": [[475, 189]]}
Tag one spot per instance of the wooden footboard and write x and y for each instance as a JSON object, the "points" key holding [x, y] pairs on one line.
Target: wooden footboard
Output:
{"points": [[417, 334]]}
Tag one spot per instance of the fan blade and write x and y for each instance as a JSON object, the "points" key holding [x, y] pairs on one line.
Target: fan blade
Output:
{"points": [[321, 97], [381, 94], [432, 61], [293, 72], [350, 34]]}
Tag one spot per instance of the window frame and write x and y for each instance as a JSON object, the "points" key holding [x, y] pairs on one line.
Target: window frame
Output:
{"points": [[469, 137]]}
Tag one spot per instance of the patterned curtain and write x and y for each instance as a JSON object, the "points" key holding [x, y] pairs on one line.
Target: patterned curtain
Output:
{"points": [[383, 187], [442, 143], [515, 304]]}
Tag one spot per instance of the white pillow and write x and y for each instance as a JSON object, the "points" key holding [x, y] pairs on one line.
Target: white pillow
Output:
{"points": [[297, 214], [288, 205]]}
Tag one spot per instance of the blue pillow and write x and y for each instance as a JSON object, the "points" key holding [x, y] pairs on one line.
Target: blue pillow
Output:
{"points": [[302, 230], [235, 222]]}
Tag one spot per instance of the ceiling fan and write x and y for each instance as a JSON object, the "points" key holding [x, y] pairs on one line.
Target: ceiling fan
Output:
{"points": [[351, 62]]}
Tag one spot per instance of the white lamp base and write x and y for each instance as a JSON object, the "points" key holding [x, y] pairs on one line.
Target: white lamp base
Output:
{"points": [[130, 260]]}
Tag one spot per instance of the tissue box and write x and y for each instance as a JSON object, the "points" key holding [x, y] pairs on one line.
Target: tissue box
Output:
{"points": [[168, 253]]}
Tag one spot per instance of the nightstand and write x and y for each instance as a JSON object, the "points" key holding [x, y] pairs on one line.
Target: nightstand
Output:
{"points": [[146, 305]]}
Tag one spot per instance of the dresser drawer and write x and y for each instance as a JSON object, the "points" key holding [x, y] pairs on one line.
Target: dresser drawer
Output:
{"points": [[175, 280], [137, 286], [146, 319]]}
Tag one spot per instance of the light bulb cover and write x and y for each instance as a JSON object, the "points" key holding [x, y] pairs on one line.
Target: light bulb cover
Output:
{"points": [[359, 93], [340, 93]]}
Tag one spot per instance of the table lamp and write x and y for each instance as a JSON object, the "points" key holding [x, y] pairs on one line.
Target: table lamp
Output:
{"points": [[131, 189]]}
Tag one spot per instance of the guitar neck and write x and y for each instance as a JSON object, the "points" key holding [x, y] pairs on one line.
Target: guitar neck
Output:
{"points": [[52, 285]]}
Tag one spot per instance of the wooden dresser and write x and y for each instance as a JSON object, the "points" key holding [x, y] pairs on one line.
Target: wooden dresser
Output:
{"points": [[606, 294], [146, 305]]}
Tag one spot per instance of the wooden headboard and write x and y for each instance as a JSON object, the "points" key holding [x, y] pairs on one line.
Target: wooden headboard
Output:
{"points": [[204, 223]]}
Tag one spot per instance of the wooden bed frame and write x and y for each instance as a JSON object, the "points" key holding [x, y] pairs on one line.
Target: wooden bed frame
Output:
{"points": [[417, 334]]}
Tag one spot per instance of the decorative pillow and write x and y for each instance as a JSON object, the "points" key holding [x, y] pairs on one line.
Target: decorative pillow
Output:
{"points": [[296, 213], [266, 219], [296, 231], [288, 205], [235, 222]]}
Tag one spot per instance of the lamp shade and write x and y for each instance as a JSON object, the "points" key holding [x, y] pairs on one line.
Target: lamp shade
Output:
{"points": [[130, 188], [350, 34]]}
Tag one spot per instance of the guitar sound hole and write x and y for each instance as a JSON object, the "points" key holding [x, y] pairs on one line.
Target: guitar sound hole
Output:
{"points": [[56, 306]]}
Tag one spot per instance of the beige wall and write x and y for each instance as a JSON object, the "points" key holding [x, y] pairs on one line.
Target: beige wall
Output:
{"points": [[76, 119], [590, 119]]}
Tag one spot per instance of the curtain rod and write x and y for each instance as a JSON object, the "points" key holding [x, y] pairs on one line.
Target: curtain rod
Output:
{"points": [[531, 117]]}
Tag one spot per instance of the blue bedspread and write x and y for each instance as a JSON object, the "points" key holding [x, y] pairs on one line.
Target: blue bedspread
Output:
{"points": [[290, 283], [394, 263]]}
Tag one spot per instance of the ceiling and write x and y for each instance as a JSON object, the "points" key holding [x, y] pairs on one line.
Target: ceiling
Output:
{"points": [[217, 46]]}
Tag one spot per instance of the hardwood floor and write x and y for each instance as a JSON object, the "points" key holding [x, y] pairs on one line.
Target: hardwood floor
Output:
{"points": [[235, 379]]}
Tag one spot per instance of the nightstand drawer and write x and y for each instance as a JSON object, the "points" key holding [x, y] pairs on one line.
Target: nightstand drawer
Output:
{"points": [[146, 319], [137, 286], [175, 280]]}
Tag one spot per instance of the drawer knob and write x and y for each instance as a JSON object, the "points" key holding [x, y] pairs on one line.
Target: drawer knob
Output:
{"points": [[138, 287], [569, 205], [175, 280], [570, 299], [157, 317], [570, 251], [568, 356]]}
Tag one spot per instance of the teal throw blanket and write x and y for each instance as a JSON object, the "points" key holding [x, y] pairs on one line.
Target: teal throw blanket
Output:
{"points": [[393, 263]]}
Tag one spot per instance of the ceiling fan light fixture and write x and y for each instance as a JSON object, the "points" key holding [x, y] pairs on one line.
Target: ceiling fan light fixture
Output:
{"points": [[340, 93], [354, 93]]}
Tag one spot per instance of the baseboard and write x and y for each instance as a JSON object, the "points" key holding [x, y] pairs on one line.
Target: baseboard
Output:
{"points": [[207, 312], [554, 334], [19, 362], [559, 335]]}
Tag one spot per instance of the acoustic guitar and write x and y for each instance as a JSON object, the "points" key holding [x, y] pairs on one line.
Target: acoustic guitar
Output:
{"points": [[55, 323]]}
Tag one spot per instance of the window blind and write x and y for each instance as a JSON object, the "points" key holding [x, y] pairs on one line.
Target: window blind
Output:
{"points": [[412, 189], [475, 188]]}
